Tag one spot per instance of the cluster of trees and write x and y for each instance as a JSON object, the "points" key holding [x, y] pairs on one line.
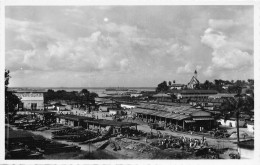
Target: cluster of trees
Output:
{"points": [[11, 100], [163, 87], [217, 84], [233, 86], [245, 104], [82, 97]]}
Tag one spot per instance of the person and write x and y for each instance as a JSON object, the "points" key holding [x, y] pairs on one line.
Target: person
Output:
{"points": [[205, 143]]}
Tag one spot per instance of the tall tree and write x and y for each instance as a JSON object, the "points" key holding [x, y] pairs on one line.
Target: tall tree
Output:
{"points": [[11, 100], [162, 87]]}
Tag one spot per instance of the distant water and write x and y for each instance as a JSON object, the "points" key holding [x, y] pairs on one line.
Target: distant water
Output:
{"points": [[91, 89], [101, 90]]}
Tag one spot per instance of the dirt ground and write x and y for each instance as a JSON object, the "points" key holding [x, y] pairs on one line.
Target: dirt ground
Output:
{"points": [[219, 143], [131, 154]]}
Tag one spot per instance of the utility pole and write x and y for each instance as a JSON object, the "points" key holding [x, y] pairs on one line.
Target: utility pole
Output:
{"points": [[238, 106], [237, 115]]}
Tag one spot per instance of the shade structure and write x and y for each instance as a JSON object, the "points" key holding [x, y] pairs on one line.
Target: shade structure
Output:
{"points": [[203, 118], [189, 121]]}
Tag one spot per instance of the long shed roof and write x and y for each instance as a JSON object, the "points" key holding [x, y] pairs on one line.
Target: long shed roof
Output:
{"points": [[110, 123]]}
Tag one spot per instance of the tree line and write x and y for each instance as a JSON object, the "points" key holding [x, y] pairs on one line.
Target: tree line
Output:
{"points": [[218, 85], [82, 97], [11, 100]]}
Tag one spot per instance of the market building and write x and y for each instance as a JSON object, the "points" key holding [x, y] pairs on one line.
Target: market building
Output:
{"points": [[181, 94], [186, 117], [100, 124]]}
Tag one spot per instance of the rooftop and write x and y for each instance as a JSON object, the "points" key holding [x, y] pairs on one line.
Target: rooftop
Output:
{"points": [[198, 91], [110, 122], [73, 117]]}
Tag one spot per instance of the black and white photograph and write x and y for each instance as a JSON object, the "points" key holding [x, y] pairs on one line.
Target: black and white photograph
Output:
{"points": [[129, 82]]}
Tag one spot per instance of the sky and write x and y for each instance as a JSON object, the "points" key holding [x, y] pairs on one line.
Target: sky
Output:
{"points": [[127, 46]]}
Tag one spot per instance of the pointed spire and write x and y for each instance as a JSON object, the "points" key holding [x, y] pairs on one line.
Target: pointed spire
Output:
{"points": [[195, 73]]}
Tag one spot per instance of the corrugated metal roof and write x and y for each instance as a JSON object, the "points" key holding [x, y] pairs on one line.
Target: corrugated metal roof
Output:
{"points": [[189, 121], [203, 118], [161, 95], [181, 117], [198, 92]]}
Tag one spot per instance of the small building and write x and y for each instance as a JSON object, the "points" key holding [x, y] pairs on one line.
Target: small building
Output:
{"points": [[118, 127], [128, 106], [30, 99], [136, 94], [64, 112], [203, 120], [60, 106], [232, 122], [116, 112], [44, 116], [106, 106], [177, 86], [49, 107], [71, 120], [163, 97]]}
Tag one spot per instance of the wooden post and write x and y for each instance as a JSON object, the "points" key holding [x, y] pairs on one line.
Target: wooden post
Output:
{"points": [[237, 115]]}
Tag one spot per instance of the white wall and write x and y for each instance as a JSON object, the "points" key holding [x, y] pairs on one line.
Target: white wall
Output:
{"points": [[27, 104], [250, 128], [231, 123], [114, 112], [125, 106]]}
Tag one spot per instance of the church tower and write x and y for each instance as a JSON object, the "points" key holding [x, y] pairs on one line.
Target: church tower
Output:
{"points": [[194, 81], [195, 74]]}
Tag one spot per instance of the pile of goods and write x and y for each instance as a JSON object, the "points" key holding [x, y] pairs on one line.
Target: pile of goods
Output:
{"points": [[140, 147], [75, 135], [219, 133]]}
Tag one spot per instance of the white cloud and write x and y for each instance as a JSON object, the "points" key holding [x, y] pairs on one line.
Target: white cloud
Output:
{"points": [[209, 71], [213, 39], [188, 68], [221, 24], [231, 58], [228, 52], [138, 45]]}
